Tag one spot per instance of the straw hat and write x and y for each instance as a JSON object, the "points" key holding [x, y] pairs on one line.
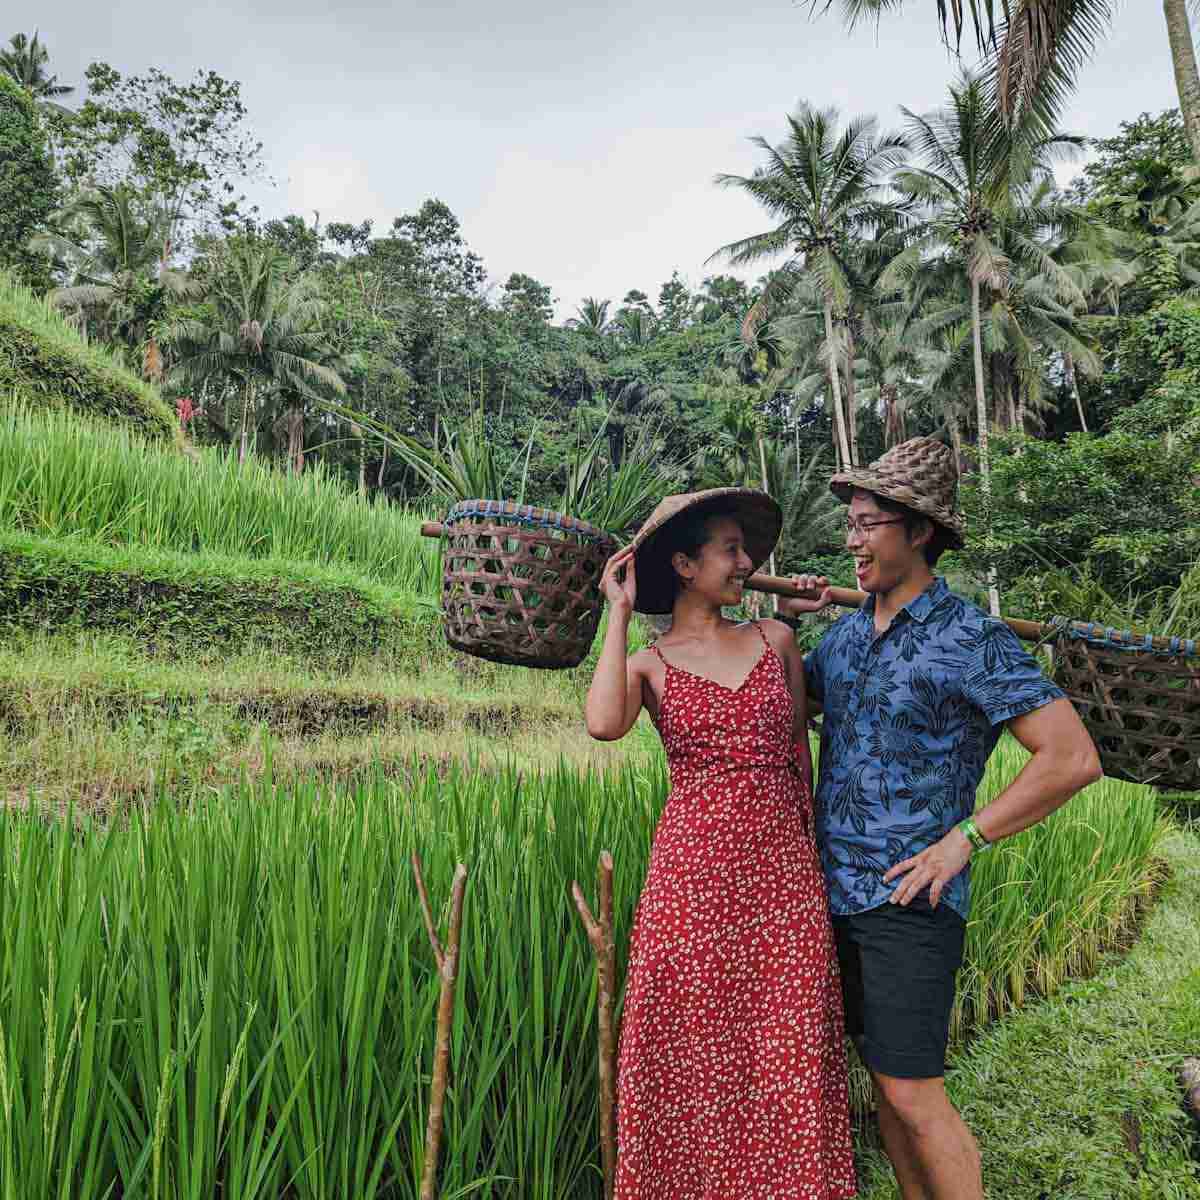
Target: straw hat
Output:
{"points": [[759, 516], [920, 474]]}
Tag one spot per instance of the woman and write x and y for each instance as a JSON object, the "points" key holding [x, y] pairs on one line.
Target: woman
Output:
{"points": [[732, 1069]]}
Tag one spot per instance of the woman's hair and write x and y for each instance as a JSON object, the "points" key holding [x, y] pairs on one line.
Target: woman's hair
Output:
{"points": [[938, 544], [690, 534]]}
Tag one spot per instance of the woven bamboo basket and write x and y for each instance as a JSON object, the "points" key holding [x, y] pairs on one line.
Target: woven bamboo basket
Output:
{"points": [[520, 585], [1139, 698]]}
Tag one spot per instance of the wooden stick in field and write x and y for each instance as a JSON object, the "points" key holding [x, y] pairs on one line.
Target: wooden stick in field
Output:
{"points": [[600, 934], [447, 965]]}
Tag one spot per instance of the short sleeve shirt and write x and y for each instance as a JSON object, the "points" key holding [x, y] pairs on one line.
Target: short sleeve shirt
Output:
{"points": [[910, 718]]}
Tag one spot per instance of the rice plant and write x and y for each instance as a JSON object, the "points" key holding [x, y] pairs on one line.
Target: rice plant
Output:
{"points": [[235, 997], [62, 474]]}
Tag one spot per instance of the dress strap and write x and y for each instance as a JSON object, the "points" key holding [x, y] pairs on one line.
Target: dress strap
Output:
{"points": [[766, 641], [655, 650]]}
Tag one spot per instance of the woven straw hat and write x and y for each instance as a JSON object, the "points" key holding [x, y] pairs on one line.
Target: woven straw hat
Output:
{"points": [[919, 474], [759, 516]]}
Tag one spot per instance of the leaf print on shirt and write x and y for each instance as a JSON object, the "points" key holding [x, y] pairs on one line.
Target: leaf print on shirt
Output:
{"points": [[897, 739], [912, 638], [993, 695], [947, 615], [937, 708], [878, 687], [850, 803], [906, 840], [856, 866], [930, 787], [838, 691], [995, 645]]}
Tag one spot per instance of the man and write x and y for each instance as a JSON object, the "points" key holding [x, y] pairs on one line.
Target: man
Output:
{"points": [[916, 687]]}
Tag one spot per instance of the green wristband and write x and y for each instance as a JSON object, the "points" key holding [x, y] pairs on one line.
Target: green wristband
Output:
{"points": [[971, 832]]}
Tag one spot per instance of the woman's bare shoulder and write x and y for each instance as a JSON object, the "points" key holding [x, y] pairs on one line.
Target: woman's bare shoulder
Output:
{"points": [[640, 660], [778, 634]]}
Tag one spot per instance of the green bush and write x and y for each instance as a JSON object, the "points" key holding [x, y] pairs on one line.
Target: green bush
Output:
{"points": [[1124, 508], [44, 362], [187, 603]]}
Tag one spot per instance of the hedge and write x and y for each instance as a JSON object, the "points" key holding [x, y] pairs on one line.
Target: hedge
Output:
{"points": [[186, 604], [43, 361]]}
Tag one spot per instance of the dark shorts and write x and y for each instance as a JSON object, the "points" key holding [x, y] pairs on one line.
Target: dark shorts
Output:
{"points": [[898, 967]]}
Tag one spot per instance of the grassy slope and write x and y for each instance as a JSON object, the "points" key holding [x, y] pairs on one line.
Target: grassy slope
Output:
{"points": [[92, 717], [44, 362], [65, 476], [1075, 1098]]}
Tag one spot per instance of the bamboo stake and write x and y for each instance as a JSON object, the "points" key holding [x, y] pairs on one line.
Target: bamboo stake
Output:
{"points": [[778, 585], [447, 964], [600, 934]]}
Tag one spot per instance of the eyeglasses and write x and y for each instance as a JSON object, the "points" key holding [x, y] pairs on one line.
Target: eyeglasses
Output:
{"points": [[864, 528]]}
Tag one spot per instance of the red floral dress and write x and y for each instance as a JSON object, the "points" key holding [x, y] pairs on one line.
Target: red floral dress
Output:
{"points": [[732, 1067]]}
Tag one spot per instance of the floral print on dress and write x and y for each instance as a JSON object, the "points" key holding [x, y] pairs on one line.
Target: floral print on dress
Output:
{"points": [[732, 1065], [910, 718]]}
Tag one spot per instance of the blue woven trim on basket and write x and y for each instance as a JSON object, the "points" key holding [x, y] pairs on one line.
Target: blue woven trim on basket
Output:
{"points": [[523, 515], [1108, 638]]}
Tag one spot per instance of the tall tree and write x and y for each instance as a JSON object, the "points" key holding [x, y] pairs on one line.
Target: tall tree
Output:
{"points": [[591, 317], [825, 189], [970, 180], [108, 243], [1037, 47], [28, 185], [257, 333], [24, 61], [1183, 59], [183, 144], [674, 304]]}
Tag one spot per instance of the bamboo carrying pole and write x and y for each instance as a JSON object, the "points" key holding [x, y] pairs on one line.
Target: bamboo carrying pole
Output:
{"points": [[447, 964], [600, 934], [778, 585]]}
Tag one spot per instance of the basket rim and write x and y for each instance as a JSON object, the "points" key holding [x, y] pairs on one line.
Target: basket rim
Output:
{"points": [[528, 514]]}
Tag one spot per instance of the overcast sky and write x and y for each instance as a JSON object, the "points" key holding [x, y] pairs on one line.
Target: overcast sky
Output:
{"points": [[576, 143]]}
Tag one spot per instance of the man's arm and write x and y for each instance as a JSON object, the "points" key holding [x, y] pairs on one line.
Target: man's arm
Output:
{"points": [[1064, 760]]}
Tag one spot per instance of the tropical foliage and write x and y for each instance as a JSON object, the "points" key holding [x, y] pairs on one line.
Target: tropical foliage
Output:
{"points": [[929, 280]]}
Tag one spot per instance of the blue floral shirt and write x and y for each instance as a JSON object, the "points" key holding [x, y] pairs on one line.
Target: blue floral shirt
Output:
{"points": [[910, 718]]}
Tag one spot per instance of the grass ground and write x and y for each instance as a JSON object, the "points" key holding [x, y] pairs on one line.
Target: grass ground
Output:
{"points": [[1075, 1097]]}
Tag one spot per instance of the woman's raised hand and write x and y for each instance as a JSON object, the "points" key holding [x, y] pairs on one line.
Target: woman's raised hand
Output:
{"points": [[793, 606], [620, 590]]}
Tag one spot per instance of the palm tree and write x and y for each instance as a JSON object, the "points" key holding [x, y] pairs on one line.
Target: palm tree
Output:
{"points": [[24, 61], [1036, 47], [1183, 59], [634, 326], [825, 190], [810, 510], [108, 243], [258, 332], [970, 187], [591, 317], [893, 366]]}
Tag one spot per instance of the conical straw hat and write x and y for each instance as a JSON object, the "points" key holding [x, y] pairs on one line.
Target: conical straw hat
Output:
{"points": [[759, 516], [919, 474]]}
